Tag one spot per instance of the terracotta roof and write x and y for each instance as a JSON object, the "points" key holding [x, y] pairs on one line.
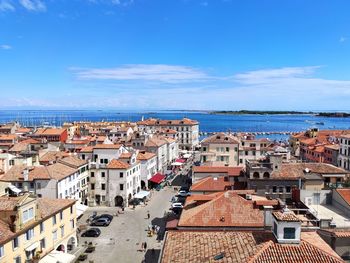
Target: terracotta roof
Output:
{"points": [[337, 232], [73, 161], [145, 156], [286, 216], [15, 174], [52, 156], [116, 164], [87, 149], [51, 206], [211, 184], [155, 142], [231, 171], [19, 147], [312, 249], [49, 131], [8, 137], [242, 247], [56, 171], [220, 138], [226, 210], [125, 155], [107, 146], [345, 194], [296, 170], [156, 122], [197, 246]]}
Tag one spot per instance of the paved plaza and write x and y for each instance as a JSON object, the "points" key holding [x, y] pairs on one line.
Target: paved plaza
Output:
{"points": [[121, 240]]}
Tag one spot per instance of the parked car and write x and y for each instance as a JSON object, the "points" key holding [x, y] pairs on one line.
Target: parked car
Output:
{"points": [[92, 232], [185, 188], [110, 217], [183, 193], [102, 221], [177, 205], [134, 201]]}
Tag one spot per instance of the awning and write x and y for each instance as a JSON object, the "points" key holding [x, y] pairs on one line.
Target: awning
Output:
{"points": [[157, 178], [180, 160], [58, 257], [187, 155], [14, 189], [32, 247], [141, 194], [176, 164], [80, 208]]}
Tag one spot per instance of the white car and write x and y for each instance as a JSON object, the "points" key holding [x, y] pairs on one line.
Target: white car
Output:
{"points": [[183, 193], [177, 205]]}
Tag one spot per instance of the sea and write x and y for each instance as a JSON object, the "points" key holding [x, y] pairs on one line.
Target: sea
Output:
{"points": [[208, 123]]}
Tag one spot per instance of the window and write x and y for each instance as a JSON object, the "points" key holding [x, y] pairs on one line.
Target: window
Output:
{"points": [[17, 259], [288, 189], [62, 231], [289, 233], [15, 242], [31, 185], [103, 186], [61, 215], [54, 235], [38, 185], [121, 187], [71, 209], [227, 149], [54, 220], [1, 251], [92, 186], [30, 234], [28, 214], [20, 185], [72, 223], [42, 244], [274, 189], [103, 174], [92, 174], [121, 174], [41, 227]]}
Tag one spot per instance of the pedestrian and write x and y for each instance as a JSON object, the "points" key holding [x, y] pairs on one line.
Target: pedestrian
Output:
{"points": [[148, 215], [145, 246], [142, 246]]}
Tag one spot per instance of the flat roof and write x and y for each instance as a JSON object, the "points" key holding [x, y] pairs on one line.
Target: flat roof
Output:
{"points": [[330, 212]]}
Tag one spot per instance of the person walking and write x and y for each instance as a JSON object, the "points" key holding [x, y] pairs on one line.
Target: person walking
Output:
{"points": [[148, 215], [145, 246]]}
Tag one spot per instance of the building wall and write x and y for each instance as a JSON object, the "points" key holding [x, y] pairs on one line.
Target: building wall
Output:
{"points": [[148, 169], [220, 154], [340, 203], [69, 233]]}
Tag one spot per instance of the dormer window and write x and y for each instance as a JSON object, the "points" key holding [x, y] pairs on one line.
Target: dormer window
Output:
{"points": [[289, 233]]}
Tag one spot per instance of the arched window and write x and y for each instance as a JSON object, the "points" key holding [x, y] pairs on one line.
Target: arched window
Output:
{"points": [[256, 175], [266, 175]]}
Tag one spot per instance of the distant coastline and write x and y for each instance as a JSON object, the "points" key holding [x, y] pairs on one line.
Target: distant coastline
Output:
{"points": [[250, 112]]}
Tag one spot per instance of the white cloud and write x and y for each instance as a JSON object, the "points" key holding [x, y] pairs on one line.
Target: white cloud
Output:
{"points": [[33, 5], [6, 47], [6, 5], [342, 39], [143, 72]]}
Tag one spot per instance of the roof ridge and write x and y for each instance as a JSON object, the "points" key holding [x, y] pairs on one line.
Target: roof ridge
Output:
{"points": [[322, 251], [265, 246]]}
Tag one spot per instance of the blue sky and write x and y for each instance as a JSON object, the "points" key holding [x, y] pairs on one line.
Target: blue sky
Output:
{"points": [[175, 54]]}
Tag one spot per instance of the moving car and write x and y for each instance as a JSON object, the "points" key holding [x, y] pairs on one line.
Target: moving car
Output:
{"points": [[102, 221], [92, 232]]}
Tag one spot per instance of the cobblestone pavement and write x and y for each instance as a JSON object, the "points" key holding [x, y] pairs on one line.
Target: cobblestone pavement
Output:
{"points": [[121, 240]]}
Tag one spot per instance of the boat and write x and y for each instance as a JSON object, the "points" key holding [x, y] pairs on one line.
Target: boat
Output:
{"points": [[320, 123]]}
